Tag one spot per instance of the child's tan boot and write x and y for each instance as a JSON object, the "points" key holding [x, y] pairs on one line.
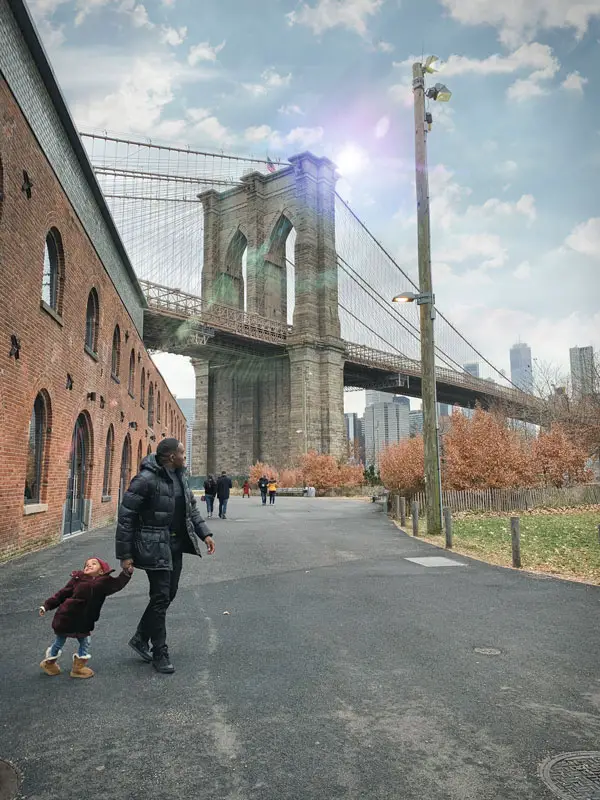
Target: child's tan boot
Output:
{"points": [[50, 663], [80, 670]]}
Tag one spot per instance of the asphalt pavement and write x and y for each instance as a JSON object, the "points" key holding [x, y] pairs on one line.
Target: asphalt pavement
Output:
{"points": [[314, 661]]}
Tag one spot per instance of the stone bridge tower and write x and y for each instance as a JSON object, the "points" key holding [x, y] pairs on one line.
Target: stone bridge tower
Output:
{"points": [[259, 404]]}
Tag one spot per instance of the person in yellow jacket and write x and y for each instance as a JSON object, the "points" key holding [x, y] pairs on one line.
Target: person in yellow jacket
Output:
{"points": [[272, 490]]}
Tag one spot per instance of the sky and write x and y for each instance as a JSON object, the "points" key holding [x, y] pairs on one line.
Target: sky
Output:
{"points": [[514, 157]]}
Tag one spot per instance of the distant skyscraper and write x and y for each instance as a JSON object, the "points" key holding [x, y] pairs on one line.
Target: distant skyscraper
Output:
{"points": [[416, 423], [472, 369], [372, 397], [355, 436], [188, 406], [582, 370], [521, 370], [385, 423]]}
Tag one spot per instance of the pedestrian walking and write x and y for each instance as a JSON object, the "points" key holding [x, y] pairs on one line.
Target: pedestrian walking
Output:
{"points": [[158, 522], [272, 489], [223, 490], [78, 606], [210, 490], [246, 489], [263, 482]]}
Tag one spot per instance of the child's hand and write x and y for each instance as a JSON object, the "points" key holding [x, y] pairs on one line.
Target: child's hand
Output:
{"points": [[42, 611]]}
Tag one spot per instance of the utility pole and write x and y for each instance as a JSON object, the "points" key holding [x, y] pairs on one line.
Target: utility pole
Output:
{"points": [[427, 312]]}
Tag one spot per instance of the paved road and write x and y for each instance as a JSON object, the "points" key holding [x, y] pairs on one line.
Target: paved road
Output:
{"points": [[343, 670]]}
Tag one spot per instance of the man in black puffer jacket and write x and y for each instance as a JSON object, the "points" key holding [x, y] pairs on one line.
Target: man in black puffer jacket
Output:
{"points": [[159, 522]]}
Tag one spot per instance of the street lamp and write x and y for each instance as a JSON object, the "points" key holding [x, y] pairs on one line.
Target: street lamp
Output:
{"points": [[425, 297]]}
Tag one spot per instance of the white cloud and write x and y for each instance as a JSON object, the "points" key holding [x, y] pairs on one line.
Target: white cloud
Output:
{"points": [[326, 14], [574, 82], [465, 247], [273, 80], [525, 89], [585, 238], [204, 52], [136, 103], [211, 129], [534, 56], [382, 128], [291, 109], [523, 271], [136, 12], [139, 17], [173, 36], [402, 93], [446, 195], [520, 21], [384, 47], [500, 208], [300, 138]]}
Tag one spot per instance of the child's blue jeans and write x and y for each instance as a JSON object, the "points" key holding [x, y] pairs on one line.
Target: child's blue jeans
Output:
{"points": [[84, 646]]}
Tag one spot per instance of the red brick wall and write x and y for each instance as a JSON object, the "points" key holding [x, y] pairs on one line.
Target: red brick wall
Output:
{"points": [[50, 350]]}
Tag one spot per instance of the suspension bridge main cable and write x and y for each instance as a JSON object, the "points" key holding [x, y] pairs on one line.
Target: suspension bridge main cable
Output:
{"points": [[410, 280]]}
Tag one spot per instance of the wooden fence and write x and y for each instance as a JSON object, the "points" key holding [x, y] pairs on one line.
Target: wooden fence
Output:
{"points": [[515, 499]]}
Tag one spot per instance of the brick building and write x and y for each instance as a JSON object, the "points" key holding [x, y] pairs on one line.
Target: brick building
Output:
{"points": [[81, 402]]}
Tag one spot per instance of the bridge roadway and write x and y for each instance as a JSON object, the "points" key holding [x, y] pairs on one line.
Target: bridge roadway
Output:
{"points": [[182, 323]]}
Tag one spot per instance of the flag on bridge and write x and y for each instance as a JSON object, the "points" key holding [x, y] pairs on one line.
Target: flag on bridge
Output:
{"points": [[270, 165]]}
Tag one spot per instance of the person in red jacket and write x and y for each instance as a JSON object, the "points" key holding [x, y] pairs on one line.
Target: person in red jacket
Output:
{"points": [[78, 606]]}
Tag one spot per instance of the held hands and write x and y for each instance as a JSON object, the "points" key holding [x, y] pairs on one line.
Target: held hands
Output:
{"points": [[127, 565], [42, 611], [210, 545]]}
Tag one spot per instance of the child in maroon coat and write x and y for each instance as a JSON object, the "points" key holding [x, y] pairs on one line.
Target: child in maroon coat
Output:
{"points": [[78, 607]]}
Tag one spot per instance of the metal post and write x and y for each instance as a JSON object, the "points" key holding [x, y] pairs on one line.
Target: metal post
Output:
{"points": [[396, 506], [448, 527], [515, 534], [403, 514], [415, 518], [428, 388]]}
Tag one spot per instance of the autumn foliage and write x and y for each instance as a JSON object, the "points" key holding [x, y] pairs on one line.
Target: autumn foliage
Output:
{"points": [[290, 478], [560, 460], [401, 466], [483, 453], [259, 469]]}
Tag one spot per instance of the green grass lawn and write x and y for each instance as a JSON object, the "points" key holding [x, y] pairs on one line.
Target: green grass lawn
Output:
{"points": [[564, 544]]}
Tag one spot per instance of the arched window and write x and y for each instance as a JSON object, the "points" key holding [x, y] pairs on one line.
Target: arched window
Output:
{"points": [[149, 450], [151, 406], [279, 272], [37, 450], [91, 322], [131, 386], [140, 454], [53, 269], [109, 453], [125, 474], [229, 287], [158, 408], [143, 389], [115, 365]]}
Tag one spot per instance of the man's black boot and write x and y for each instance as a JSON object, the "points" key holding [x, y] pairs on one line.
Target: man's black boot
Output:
{"points": [[140, 646], [161, 661]]}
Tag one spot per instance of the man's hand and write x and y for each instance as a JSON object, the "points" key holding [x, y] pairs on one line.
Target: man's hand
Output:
{"points": [[210, 545], [127, 565], [42, 611]]}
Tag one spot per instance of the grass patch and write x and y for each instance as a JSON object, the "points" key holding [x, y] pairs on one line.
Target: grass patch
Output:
{"points": [[562, 544]]}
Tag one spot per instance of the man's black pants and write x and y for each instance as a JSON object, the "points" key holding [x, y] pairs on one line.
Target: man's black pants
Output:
{"points": [[163, 588], [263, 494]]}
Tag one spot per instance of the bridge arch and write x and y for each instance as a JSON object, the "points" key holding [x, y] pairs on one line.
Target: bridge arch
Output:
{"points": [[279, 273], [230, 285]]}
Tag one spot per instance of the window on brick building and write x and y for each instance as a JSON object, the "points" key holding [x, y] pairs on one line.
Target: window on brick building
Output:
{"points": [[115, 365], [139, 454], [36, 449], [132, 373], [91, 322], [158, 408], [149, 450], [143, 389], [52, 278], [109, 454], [151, 406], [1, 187]]}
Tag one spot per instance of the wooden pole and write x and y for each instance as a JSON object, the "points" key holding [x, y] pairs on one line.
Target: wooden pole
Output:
{"points": [[515, 534], [415, 518], [433, 498], [448, 527], [396, 506], [403, 513]]}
